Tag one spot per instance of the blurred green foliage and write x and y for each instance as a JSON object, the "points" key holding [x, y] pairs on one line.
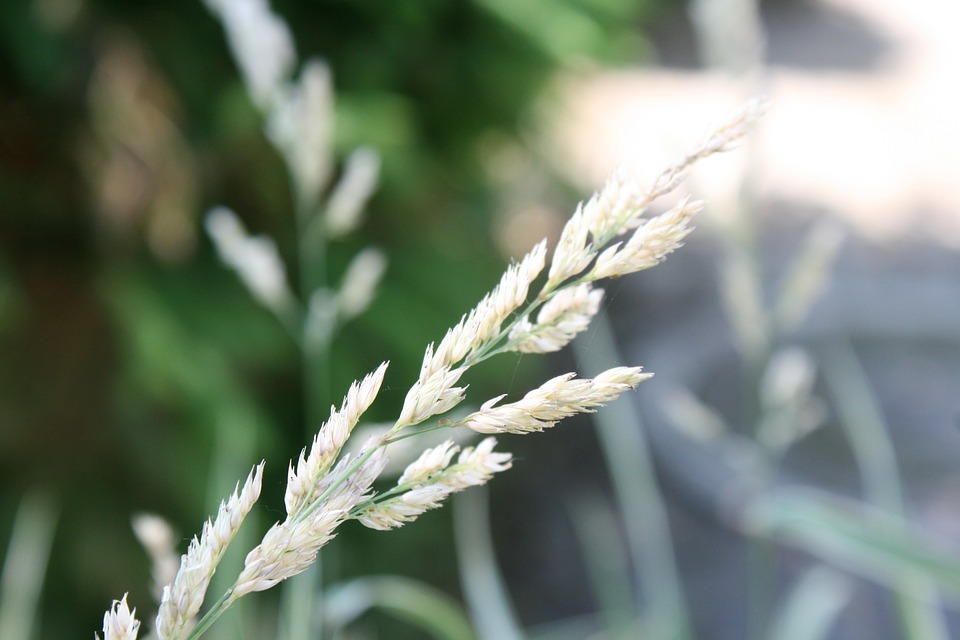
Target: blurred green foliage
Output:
{"points": [[125, 343]]}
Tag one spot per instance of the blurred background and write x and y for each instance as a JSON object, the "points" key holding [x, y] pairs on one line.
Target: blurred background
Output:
{"points": [[806, 336]]}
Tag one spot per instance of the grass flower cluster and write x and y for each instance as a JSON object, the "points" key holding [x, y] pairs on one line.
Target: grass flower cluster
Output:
{"points": [[609, 236]]}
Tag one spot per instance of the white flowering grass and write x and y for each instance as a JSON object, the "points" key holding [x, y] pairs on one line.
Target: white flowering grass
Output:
{"points": [[119, 622], [609, 236]]}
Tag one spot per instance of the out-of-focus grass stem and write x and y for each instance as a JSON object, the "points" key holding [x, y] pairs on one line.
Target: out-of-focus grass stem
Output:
{"points": [[731, 38], [315, 345], [863, 422], [607, 562], [26, 565], [621, 434], [302, 618], [484, 588]]}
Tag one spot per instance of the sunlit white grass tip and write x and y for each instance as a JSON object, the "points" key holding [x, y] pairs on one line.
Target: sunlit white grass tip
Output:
{"points": [[554, 400], [119, 622]]}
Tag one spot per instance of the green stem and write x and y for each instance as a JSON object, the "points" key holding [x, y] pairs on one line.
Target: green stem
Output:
{"points": [[876, 461], [292, 317], [316, 366], [435, 427], [761, 559], [645, 516], [315, 349], [218, 609]]}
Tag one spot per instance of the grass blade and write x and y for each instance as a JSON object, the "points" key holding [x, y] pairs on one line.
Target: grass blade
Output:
{"points": [[25, 566], [851, 535], [410, 600], [813, 606]]}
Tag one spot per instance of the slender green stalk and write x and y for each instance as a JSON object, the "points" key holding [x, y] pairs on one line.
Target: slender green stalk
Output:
{"points": [[813, 606], [920, 618], [25, 565], [315, 346], [302, 620], [761, 560], [216, 610], [483, 585], [731, 38], [621, 433], [608, 563]]}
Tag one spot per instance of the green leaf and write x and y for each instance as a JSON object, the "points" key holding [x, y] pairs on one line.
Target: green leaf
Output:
{"points": [[813, 605], [854, 536], [25, 566], [410, 600]]}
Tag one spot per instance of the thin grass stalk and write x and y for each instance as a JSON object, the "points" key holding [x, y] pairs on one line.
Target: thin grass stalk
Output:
{"points": [[484, 588], [813, 606], [299, 618], [916, 598], [621, 433], [302, 620], [731, 38], [750, 318], [25, 565], [761, 562], [608, 563]]}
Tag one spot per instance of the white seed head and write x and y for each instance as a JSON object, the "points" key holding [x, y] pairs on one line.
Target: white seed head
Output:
{"points": [[303, 480], [722, 138], [611, 210], [254, 258], [286, 550], [608, 385], [430, 462], [559, 320], [360, 282], [558, 398], [429, 481], [402, 509], [181, 600], [432, 394], [509, 294], [120, 623], [261, 44], [158, 538], [457, 343], [322, 492], [619, 205], [344, 210], [728, 134], [476, 465], [291, 546], [649, 244], [515, 284], [300, 125], [572, 254], [484, 321]]}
